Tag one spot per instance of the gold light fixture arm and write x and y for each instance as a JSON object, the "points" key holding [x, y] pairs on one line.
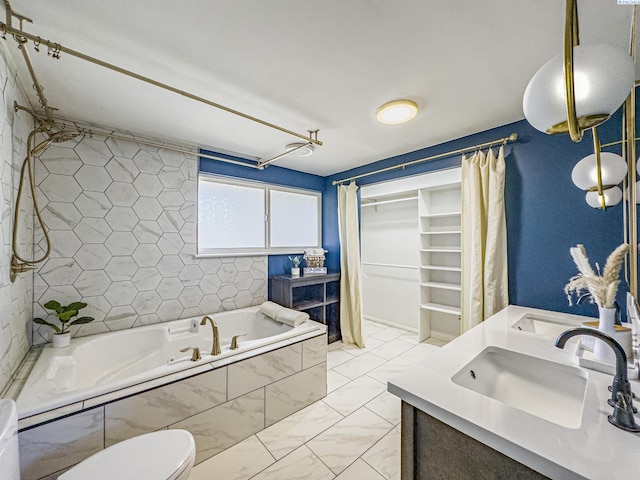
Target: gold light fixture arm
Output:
{"points": [[630, 130], [58, 48], [596, 150], [571, 40]]}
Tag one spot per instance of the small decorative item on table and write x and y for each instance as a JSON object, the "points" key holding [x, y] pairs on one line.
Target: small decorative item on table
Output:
{"points": [[314, 260], [295, 265], [602, 287]]}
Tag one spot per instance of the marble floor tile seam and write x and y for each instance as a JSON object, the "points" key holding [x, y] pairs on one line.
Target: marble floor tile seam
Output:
{"points": [[372, 447], [294, 451], [342, 417]]}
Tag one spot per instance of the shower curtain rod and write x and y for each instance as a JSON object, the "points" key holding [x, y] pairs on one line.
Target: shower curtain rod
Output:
{"points": [[139, 140], [511, 138], [22, 36]]}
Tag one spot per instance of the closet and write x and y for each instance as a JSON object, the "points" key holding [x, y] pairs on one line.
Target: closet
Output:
{"points": [[411, 255]]}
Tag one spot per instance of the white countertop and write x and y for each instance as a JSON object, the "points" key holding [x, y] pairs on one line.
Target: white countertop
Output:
{"points": [[597, 450]]}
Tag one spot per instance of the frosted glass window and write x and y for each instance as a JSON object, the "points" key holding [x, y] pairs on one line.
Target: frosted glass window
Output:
{"points": [[230, 216], [237, 217], [294, 219]]}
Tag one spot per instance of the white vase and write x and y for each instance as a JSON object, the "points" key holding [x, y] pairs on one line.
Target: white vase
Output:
{"points": [[601, 351], [61, 340], [295, 272]]}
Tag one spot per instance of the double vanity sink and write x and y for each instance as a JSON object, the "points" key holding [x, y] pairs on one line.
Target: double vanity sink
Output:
{"points": [[505, 385]]}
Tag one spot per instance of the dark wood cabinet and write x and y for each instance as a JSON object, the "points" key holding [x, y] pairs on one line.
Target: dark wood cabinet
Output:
{"points": [[317, 295]]}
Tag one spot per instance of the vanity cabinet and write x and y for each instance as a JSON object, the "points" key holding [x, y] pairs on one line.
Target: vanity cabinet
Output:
{"points": [[431, 449], [317, 295]]}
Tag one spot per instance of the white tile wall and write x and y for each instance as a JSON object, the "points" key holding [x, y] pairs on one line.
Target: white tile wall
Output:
{"points": [[122, 225], [15, 298]]}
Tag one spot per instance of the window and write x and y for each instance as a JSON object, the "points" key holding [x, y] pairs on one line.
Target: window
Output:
{"points": [[239, 217]]}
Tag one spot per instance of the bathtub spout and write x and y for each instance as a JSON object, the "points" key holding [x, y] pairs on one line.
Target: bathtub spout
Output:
{"points": [[215, 348]]}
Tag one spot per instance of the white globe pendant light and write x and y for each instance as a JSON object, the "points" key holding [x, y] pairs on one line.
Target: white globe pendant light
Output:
{"points": [[603, 77], [585, 173], [612, 196]]}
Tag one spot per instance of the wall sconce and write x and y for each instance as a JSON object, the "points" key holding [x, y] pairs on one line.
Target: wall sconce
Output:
{"points": [[581, 88]]}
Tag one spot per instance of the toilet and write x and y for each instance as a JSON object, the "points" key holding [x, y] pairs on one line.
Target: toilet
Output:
{"points": [[163, 455]]}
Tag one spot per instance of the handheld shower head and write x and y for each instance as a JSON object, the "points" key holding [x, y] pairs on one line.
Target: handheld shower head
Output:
{"points": [[64, 135]]}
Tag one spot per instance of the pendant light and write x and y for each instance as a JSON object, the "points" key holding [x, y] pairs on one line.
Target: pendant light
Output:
{"points": [[613, 169], [611, 197], [581, 88], [599, 173]]}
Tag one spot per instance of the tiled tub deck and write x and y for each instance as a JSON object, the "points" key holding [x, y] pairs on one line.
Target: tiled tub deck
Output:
{"points": [[219, 406]]}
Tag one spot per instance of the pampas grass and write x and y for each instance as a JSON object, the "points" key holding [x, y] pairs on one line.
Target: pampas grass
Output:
{"points": [[603, 288]]}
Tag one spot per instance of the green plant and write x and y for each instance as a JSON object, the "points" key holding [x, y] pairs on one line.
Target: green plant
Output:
{"points": [[64, 314], [295, 261]]}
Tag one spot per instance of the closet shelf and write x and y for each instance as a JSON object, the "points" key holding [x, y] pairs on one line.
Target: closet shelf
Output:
{"points": [[443, 286], [439, 267], [437, 307], [385, 202], [438, 215], [441, 250], [447, 232]]}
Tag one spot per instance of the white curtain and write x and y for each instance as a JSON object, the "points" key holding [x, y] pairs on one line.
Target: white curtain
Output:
{"points": [[350, 294], [484, 238]]}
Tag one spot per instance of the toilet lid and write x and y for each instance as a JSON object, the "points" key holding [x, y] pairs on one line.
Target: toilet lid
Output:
{"points": [[154, 456]]}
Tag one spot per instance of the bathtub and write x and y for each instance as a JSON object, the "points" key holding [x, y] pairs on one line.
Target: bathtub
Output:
{"points": [[103, 364]]}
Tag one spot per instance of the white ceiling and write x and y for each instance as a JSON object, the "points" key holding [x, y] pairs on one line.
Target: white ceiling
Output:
{"points": [[324, 64]]}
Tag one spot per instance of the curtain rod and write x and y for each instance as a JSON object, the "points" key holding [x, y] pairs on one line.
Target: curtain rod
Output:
{"points": [[55, 49], [511, 138], [142, 141]]}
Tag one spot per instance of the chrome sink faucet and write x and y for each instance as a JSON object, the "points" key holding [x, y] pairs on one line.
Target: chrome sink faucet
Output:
{"points": [[621, 395], [215, 348]]}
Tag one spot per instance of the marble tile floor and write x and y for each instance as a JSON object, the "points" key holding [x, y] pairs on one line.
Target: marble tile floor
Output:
{"points": [[351, 434]]}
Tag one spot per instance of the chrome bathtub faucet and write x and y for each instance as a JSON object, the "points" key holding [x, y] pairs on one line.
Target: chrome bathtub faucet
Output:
{"points": [[215, 348], [621, 395]]}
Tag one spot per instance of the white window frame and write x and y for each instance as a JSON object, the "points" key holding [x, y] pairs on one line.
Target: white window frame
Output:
{"points": [[267, 249]]}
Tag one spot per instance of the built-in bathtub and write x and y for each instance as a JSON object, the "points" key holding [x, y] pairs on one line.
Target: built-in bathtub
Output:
{"points": [[106, 388]]}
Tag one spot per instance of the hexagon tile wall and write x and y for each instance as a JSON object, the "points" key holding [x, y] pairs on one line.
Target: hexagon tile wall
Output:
{"points": [[122, 226]]}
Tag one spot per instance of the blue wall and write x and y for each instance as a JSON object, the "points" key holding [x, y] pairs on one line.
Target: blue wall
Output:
{"points": [[546, 213]]}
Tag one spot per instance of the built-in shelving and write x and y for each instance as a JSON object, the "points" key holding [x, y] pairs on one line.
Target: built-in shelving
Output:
{"points": [[440, 261]]}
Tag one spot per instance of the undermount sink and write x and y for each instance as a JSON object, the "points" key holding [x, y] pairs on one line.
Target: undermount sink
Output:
{"points": [[548, 390], [545, 326]]}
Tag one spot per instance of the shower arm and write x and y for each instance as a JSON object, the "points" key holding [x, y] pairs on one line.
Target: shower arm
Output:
{"points": [[56, 48]]}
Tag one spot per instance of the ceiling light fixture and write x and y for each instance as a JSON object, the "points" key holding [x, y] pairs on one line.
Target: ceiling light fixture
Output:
{"points": [[299, 149], [397, 111], [580, 88]]}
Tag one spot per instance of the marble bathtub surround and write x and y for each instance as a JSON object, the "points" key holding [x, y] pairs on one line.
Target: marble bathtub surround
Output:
{"points": [[317, 442], [217, 410], [122, 220]]}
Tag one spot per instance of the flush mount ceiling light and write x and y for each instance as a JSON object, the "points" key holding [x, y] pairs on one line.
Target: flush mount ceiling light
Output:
{"points": [[299, 149], [397, 111], [581, 88]]}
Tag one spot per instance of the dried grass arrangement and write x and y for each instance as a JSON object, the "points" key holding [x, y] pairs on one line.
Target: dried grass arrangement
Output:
{"points": [[602, 287]]}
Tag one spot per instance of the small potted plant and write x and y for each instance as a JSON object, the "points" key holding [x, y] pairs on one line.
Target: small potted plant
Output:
{"points": [[62, 336], [295, 268]]}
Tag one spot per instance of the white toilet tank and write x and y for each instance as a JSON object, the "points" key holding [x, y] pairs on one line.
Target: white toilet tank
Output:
{"points": [[9, 459]]}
